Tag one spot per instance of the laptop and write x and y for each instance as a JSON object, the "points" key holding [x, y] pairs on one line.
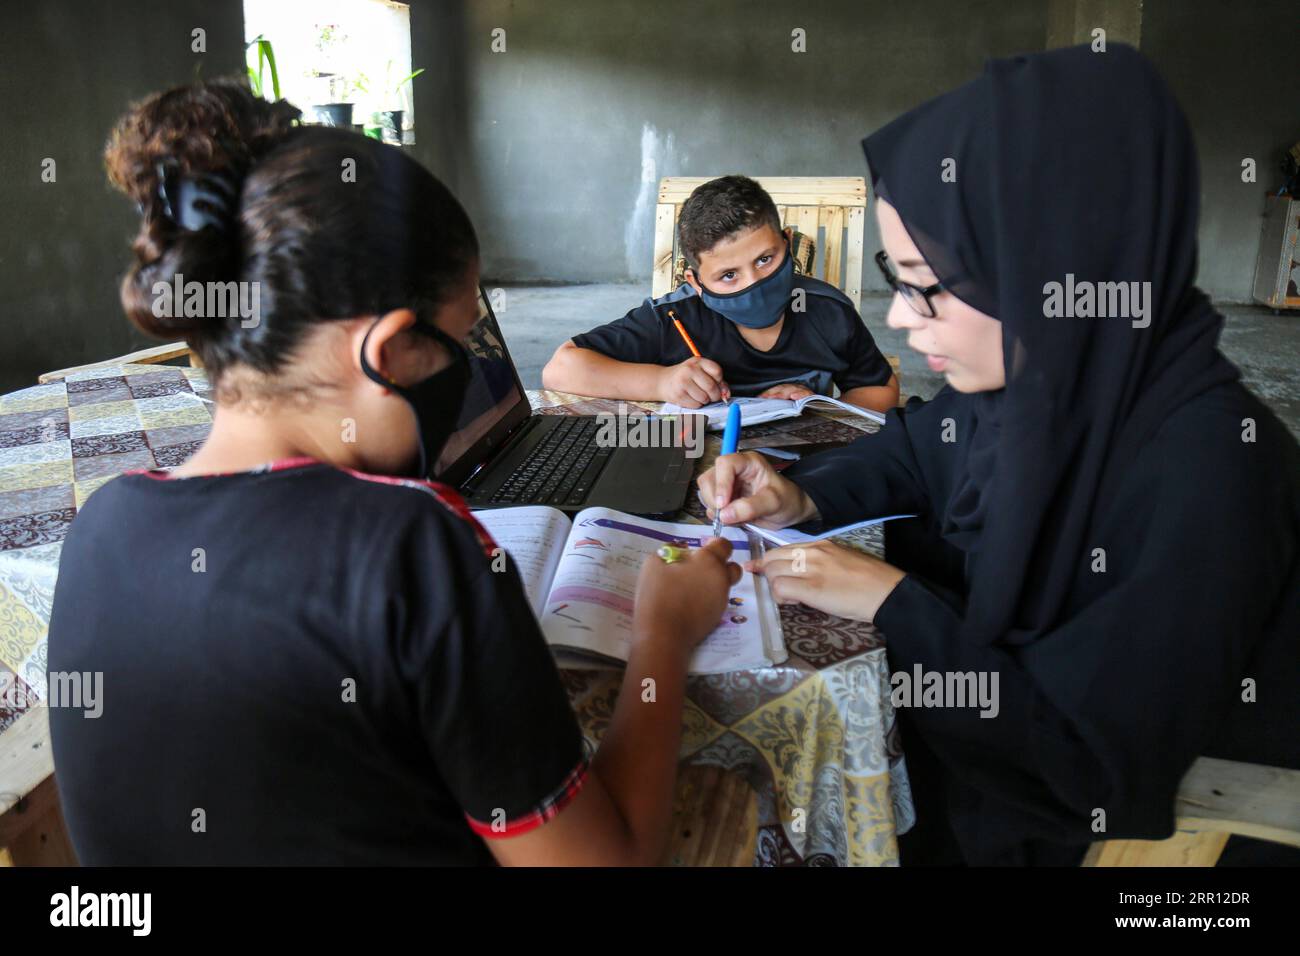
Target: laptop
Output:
{"points": [[502, 454]]}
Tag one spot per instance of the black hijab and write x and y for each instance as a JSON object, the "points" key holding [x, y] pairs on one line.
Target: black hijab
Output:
{"points": [[1067, 162]]}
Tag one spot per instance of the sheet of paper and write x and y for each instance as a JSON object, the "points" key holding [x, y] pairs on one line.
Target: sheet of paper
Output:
{"points": [[827, 401], [753, 411], [756, 411], [783, 536], [590, 605], [533, 536]]}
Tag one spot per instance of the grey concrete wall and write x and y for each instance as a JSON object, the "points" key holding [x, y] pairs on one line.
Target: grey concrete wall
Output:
{"points": [[1233, 66], [568, 131], [556, 145], [67, 71]]}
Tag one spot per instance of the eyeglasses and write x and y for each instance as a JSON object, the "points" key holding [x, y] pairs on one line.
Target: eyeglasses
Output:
{"points": [[914, 295]]}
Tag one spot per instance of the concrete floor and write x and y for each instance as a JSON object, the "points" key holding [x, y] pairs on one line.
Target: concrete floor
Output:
{"points": [[536, 319]]}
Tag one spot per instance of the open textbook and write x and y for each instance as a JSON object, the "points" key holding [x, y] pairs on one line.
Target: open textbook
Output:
{"points": [[581, 576], [755, 411]]}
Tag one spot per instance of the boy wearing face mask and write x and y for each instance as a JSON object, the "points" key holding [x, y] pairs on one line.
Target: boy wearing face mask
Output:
{"points": [[761, 329]]}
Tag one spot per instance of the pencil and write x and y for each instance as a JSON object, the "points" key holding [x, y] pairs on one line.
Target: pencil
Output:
{"points": [[686, 336], [690, 344]]}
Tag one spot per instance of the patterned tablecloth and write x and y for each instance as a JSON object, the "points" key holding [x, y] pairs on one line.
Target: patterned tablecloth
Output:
{"points": [[815, 737]]}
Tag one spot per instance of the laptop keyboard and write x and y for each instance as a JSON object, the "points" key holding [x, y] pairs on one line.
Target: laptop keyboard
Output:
{"points": [[560, 470]]}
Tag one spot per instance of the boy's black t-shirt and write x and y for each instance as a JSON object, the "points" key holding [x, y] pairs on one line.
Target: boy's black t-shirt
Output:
{"points": [[301, 665], [825, 343]]}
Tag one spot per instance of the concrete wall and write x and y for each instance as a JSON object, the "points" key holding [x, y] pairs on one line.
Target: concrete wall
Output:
{"points": [[556, 145], [67, 71], [565, 134], [1234, 69], [569, 130]]}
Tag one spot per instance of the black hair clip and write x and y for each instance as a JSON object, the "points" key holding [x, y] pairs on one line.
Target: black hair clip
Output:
{"points": [[194, 204]]}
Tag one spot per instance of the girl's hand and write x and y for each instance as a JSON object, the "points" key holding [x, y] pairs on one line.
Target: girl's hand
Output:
{"points": [[790, 391], [683, 602], [828, 577], [747, 488]]}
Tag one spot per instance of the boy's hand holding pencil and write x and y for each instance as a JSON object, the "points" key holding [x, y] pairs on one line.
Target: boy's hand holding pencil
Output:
{"points": [[695, 382]]}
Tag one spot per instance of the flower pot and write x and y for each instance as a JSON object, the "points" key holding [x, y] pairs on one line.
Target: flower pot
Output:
{"points": [[391, 122], [334, 114]]}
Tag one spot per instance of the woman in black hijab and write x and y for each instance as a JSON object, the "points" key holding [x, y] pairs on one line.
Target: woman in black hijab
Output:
{"points": [[1108, 522]]}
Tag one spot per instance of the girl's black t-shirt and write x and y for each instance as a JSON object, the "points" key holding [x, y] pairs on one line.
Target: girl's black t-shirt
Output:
{"points": [[300, 664]]}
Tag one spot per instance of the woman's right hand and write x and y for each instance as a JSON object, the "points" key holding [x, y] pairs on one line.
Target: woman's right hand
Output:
{"points": [[683, 602], [749, 490]]}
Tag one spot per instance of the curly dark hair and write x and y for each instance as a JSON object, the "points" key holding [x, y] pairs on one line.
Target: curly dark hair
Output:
{"points": [[320, 244]]}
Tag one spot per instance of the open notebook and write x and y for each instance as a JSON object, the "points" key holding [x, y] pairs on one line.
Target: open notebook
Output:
{"points": [[755, 411], [581, 577]]}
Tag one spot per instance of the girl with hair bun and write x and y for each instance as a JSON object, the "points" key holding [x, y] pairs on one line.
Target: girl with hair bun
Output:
{"points": [[300, 635]]}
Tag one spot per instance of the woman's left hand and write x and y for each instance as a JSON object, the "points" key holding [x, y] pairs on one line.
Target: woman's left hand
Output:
{"points": [[828, 577]]}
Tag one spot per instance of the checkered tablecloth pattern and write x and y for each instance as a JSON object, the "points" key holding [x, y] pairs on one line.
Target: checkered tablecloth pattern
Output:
{"points": [[58, 443]]}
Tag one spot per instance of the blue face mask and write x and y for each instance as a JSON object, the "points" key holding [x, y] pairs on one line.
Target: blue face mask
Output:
{"points": [[759, 306]]}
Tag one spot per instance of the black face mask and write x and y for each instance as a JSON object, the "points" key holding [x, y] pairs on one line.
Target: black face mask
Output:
{"points": [[436, 400]]}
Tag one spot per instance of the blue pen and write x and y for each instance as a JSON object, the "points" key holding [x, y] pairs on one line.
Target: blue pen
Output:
{"points": [[730, 439]]}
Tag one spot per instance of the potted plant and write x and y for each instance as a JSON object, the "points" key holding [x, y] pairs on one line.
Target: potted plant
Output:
{"points": [[390, 120], [338, 112], [330, 39]]}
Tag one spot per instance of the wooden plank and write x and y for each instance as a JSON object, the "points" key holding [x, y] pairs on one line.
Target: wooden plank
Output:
{"points": [[832, 220], [1249, 799], [34, 832], [715, 819], [665, 230], [853, 257], [149, 356], [784, 190], [1216, 799], [1184, 848], [26, 760]]}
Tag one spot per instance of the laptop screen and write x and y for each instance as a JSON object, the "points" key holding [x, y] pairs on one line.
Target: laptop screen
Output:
{"points": [[494, 401]]}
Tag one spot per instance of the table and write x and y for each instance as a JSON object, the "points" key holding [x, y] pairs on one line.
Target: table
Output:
{"points": [[814, 737], [815, 734]]}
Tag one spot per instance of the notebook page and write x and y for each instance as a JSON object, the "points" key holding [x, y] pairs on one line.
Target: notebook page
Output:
{"points": [[533, 536], [753, 411], [807, 400], [591, 600]]}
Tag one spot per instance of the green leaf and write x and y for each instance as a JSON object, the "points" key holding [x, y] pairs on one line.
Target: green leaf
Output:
{"points": [[403, 82], [275, 75]]}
